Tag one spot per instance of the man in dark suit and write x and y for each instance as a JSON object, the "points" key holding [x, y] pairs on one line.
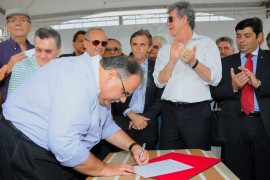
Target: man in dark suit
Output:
{"points": [[138, 115], [244, 123]]}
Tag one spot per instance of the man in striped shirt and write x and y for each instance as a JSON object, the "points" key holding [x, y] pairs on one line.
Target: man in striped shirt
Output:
{"points": [[47, 47]]}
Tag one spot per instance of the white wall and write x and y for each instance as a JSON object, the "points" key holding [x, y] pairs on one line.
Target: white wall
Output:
{"points": [[123, 33]]}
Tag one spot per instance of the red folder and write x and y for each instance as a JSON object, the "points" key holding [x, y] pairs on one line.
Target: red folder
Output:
{"points": [[198, 163]]}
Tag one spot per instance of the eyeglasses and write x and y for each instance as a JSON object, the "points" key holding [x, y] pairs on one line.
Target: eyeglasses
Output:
{"points": [[125, 93], [156, 47], [13, 21], [112, 49], [97, 42], [170, 19]]}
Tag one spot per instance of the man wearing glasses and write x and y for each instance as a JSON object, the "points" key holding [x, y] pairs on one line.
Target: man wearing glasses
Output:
{"points": [[95, 41], [158, 42], [53, 120], [47, 47], [186, 68], [113, 48], [18, 23]]}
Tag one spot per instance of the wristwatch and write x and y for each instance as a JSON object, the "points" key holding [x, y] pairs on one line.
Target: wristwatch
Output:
{"points": [[195, 65], [235, 90]]}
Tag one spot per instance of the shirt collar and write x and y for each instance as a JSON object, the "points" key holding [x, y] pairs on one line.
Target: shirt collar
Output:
{"points": [[96, 63], [255, 53], [14, 44]]}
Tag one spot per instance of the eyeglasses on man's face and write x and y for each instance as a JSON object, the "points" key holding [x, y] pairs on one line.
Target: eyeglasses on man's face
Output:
{"points": [[156, 47], [22, 20], [125, 93], [109, 49], [97, 42], [170, 19]]}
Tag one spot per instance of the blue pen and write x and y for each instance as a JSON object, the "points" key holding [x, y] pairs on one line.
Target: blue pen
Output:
{"points": [[143, 148]]}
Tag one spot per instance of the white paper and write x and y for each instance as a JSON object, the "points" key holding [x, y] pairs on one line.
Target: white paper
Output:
{"points": [[160, 168], [30, 53]]}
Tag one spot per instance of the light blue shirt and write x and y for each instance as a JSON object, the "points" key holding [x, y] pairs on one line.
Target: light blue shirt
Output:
{"points": [[254, 60], [137, 101], [59, 110], [21, 71]]}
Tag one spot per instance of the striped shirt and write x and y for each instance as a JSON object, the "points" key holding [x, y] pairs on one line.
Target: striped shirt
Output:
{"points": [[21, 71]]}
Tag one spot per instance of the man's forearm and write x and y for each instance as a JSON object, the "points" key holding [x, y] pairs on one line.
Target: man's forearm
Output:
{"points": [[166, 73], [92, 167], [121, 140]]}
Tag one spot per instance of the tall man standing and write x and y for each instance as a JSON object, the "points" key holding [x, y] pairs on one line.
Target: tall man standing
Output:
{"points": [[19, 25], [244, 121], [186, 67], [138, 115]]}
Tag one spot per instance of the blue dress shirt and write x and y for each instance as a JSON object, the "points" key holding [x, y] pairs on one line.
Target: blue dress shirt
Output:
{"points": [[58, 109]]}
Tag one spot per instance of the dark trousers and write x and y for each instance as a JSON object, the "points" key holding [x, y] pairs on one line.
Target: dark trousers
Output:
{"points": [[185, 127], [249, 158], [148, 135], [21, 159]]}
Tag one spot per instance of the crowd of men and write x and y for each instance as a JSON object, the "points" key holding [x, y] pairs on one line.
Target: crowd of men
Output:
{"points": [[56, 111]]}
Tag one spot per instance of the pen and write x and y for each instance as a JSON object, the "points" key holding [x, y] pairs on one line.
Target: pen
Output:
{"points": [[143, 148]]}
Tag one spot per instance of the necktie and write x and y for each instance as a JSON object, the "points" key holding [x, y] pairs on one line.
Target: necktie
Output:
{"points": [[247, 99]]}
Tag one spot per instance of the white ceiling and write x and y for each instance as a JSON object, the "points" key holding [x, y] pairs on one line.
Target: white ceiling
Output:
{"points": [[64, 9]]}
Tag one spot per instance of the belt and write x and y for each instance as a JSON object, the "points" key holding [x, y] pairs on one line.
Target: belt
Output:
{"points": [[183, 104], [252, 114]]}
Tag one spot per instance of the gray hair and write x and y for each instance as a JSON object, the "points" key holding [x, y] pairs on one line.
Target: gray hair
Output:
{"points": [[45, 33], [161, 39], [126, 66], [111, 39], [183, 8], [227, 39], [91, 29]]}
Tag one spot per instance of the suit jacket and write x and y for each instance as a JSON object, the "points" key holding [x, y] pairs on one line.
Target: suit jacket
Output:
{"points": [[230, 122], [152, 106]]}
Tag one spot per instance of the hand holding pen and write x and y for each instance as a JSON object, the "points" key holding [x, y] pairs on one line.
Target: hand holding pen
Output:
{"points": [[143, 148], [141, 156]]}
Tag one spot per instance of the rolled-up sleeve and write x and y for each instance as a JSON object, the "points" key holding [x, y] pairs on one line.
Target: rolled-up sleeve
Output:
{"points": [[213, 61]]}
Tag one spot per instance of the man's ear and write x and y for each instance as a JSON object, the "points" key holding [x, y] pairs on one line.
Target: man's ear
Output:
{"points": [[112, 73]]}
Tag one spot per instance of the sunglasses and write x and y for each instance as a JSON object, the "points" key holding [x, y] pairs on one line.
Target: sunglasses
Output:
{"points": [[170, 19], [156, 47], [125, 93], [112, 49], [97, 42]]}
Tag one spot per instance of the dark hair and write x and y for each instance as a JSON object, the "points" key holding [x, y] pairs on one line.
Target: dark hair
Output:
{"points": [[111, 39], [142, 32], [126, 66], [77, 34], [268, 37], [45, 33], [183, 8], [225, 38], [255, 23]]}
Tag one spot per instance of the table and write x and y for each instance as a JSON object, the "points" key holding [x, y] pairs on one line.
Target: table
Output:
{"points": [[216, 172]]}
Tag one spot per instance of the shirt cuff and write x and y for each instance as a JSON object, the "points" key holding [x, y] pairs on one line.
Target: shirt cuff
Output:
{"points": [[126, 111]]}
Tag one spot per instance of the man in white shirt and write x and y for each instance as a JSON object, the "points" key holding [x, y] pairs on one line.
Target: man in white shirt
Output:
{"points": [[187, 68]]}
